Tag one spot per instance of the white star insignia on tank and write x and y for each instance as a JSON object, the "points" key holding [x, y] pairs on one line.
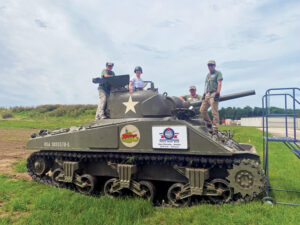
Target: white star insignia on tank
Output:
{"points": [[130, 105]]}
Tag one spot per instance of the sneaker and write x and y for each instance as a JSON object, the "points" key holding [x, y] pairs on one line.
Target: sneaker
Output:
{"points": [[103, 117], [215, 132]]}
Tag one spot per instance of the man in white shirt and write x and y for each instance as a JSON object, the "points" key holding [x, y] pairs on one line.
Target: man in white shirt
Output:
{"points": [[136, 83]]}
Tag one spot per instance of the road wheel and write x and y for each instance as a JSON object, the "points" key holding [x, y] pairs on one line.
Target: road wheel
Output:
{"points": [[221, 186], [148, 190], [56, 177], [174, 194], [108, 188], [87, 184]]}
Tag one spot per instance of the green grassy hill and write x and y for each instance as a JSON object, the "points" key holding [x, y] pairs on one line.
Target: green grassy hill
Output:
{"points": [[47, 116]]}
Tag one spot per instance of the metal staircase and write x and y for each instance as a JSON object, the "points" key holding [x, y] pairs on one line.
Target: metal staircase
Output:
{"points": [[290, 140]]}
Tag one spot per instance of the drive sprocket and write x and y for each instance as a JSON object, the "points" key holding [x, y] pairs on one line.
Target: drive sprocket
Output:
{"points": [[246, 178]]}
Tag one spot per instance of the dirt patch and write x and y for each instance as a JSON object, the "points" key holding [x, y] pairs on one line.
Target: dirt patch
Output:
{"points": [[13, 215], [12, 149]]}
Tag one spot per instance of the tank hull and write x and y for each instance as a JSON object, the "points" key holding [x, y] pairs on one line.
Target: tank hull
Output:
{"points": [[135, 154], [108, 137]]}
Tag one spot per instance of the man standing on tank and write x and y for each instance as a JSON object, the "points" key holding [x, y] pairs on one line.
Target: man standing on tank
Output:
{"points": [[192, 97], [210, 98], [103, 90]]}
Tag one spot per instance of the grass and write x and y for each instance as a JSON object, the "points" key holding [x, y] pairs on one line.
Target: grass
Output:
{"points": [[20, 166], [23, 202], [284, 166], [31, 203], [45, 123]]}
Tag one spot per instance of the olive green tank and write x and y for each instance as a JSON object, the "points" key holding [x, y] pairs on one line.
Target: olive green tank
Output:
{"points": [[151, 144]]}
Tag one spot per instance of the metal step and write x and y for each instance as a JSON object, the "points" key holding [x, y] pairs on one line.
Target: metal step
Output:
{"points": [[283, 139]]}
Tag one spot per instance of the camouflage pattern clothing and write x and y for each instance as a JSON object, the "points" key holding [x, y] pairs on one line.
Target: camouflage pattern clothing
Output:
{"points": [[103, 95], [190, 98]]}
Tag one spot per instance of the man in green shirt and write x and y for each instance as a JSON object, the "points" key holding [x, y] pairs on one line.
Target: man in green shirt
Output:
{"points": [[192, 97], [104, 91], [213, 84]]}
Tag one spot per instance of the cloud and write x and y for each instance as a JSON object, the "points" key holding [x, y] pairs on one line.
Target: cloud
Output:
{"points": [[146, 48], [169, 23], [50, 50], [242, 64], [40, 23]]}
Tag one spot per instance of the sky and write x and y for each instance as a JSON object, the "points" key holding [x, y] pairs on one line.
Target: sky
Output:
{"points": [[51, 50]]}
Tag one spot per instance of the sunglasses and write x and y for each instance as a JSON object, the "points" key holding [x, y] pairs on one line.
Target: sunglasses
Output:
{"points": [[210, 64]]}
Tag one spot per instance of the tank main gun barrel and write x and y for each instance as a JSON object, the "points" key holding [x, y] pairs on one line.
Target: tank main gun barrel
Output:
{"points": [[228, 97]]}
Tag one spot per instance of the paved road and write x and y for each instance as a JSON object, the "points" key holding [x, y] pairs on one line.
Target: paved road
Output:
{"points": [[280, 132]]}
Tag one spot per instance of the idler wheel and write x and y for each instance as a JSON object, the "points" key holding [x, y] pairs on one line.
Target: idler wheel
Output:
{"points": [[174, 196], [87, 184], [148, 190], [222, 188], [108, 188], [57, 173], [40, 166]]}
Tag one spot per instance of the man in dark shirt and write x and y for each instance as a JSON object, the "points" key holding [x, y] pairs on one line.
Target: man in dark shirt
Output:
{"points": [[104, 91]]}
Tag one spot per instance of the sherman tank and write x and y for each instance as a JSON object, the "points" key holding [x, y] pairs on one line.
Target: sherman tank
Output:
{"points": [[149, 141]]}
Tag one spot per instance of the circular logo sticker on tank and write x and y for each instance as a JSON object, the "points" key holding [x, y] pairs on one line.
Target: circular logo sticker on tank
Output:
{"points": [[169, 133], [130, 136]]}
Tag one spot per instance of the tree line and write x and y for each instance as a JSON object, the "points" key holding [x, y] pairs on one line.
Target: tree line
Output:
{"points": [[79, 110]]}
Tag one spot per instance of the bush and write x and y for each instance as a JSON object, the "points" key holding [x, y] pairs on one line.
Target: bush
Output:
{"points": [[71, 110], [7, 115], [19, 109], [44, 111], [61, 111], [46, 108]]}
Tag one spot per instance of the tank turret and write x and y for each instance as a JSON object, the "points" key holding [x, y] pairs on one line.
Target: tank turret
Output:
{"points": [[149, 103]]}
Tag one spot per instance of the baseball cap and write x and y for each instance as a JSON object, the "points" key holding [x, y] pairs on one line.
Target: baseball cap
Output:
{"points": [[211, 62], [192, 87], [109, 64]]}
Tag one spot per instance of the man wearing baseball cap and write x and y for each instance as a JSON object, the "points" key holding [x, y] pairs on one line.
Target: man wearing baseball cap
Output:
{"points": [[192, 97], [210, 98], [103, 90]]}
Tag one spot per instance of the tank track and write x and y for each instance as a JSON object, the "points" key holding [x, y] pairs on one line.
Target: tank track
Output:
{"points": [[231, 164]]}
